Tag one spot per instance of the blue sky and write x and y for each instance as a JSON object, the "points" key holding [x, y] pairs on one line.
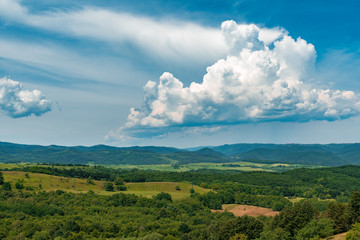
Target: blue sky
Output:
{"points": [[179, 73]]}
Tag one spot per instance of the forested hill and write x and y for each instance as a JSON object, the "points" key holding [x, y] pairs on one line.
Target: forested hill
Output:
{"points": [[102, 154], [311, 154], [322, 154]]}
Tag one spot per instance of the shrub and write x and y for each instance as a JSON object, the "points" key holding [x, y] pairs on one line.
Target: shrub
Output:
{"points": [[119, 181], [89, 181], [6, 186], [163, 196], [354, 233], [121, 188], [184, 228], [1, 178], [321, 228], [19, 185], [109, 186]]}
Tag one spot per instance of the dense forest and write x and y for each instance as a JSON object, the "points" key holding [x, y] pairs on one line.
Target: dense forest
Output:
{"points": [[64, 215]]}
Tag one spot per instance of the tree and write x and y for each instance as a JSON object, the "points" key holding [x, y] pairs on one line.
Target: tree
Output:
{"points": [[19, 185], [337, 212], [321, 228], [293, 218], [1, 178], [119, 181], [163, 213], [354, 233], [211, 200], [121, 188], [274, 234], [89, 181], [109, 186], [163, 196], [249, 226], [6, 186], [277, 206], [184, 228], [355, 206], [226, 197]]}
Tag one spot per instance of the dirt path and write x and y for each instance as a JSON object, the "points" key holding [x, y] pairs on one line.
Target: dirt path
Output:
{"points": [[340, 236]]}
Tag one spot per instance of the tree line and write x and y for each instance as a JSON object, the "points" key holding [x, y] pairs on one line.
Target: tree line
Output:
{"points": [[324, 183]]}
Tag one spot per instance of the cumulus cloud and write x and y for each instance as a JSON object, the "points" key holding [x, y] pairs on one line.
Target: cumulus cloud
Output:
{"points": [[16, 102], [265, 77]]}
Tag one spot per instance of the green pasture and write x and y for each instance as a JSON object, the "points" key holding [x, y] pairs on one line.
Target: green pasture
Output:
{"points": [[38, 182], [148, 189], [234, 166]]}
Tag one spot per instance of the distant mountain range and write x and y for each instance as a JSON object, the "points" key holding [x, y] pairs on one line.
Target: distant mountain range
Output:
{"points": [[319, 154], [313, 154]]}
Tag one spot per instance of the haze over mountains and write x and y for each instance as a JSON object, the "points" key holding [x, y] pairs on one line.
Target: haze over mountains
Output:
{"points": [[314, 154]]}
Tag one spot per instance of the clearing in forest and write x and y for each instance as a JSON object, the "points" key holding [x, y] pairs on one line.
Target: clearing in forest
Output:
{"points": [[341, 236], [177, 190], [241, 210]]}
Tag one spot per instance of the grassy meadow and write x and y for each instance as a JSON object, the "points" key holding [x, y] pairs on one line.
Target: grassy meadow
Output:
{"points": [[148, 189], [38, 182], [234, 166]]}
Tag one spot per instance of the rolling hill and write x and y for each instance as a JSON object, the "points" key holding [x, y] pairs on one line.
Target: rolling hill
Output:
{"points": [[311, 154], [320, 154], [106, 155]]}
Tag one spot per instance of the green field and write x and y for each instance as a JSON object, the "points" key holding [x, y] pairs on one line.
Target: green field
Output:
{"points": [[234, 166], [9, 165], [38, 181], [319, 198], [149, 189]]}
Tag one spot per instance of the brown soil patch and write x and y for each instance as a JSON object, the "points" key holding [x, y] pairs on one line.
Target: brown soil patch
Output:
{"points": [[241, 210], [341, 236]]}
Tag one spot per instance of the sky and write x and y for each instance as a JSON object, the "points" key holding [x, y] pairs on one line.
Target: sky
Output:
{"points": [[179, 73]]}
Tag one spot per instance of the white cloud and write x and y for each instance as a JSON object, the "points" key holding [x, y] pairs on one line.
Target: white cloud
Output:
{"points": [[259, 81], [12, 9], [164, 38], [67, 63], [268, 36], [16, 102]]}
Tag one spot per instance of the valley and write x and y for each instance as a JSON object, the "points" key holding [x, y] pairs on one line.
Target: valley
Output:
{"points": [[166, 193]]}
